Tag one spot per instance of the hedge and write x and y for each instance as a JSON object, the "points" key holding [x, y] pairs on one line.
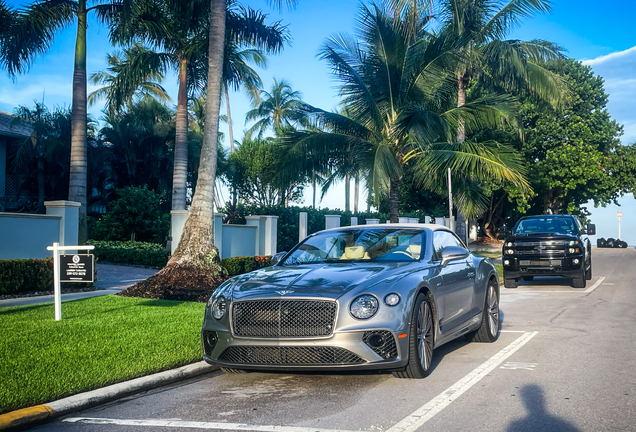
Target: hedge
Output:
{"points": [[25, 275]]}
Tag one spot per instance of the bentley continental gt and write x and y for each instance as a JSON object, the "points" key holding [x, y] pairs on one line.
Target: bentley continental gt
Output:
{"points": [[354, 298]]}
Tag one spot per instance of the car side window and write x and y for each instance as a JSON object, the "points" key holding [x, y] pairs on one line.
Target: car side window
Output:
{"points": [[441, 239]]}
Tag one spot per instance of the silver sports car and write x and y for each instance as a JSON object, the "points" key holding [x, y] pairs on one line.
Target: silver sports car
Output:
{"points": [[359, 297]]}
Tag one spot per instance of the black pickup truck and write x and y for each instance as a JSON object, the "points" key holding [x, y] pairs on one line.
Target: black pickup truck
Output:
{"points": [[548, 245]]}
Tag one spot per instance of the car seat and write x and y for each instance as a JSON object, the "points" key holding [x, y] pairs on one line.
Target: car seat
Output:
{"points": [[355, 252]]}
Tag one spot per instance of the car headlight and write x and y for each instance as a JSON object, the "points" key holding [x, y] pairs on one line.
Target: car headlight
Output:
{"points": [[392, 299], [219, 305], [573, 243], [509, 251], [364, 307], [510, 244]]}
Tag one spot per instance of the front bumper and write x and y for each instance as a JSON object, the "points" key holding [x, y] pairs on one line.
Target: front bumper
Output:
{"points": [[351, 350], [569, 266]]}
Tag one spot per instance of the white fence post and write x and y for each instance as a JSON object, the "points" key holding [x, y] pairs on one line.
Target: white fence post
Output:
{"points": [[354, 220], [332, 221], [373, 221], [302, 226]]}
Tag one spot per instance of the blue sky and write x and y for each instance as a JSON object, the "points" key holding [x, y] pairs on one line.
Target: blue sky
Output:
{"points": [[598, 33]]}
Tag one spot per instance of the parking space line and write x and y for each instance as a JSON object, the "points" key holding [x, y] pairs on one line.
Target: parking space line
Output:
{"points": [[434, 406], [593, 287], [196, 425]]}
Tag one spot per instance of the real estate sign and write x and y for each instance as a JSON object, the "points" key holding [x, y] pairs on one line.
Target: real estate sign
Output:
{"points": [[77, 268]]}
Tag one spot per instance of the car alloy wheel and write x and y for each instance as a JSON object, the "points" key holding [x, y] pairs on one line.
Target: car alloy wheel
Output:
{"points": [[493, 310], [425, 335]]}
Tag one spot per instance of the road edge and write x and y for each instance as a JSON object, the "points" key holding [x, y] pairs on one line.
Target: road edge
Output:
{"points": [[38, 413]]}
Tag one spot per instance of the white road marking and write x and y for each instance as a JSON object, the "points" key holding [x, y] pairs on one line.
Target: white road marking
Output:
{"points": [[519, 365], [608, 283], [196, 425], [409, 424], [437, 404], [593, 287]]}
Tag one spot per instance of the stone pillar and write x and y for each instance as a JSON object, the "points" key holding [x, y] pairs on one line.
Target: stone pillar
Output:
{"points": [[259, 223], [373, 221], [354, 220], [177, 222], [427, 219], [271, 235], [69, 225], [403, 220], [332, 221], [218, 233], [302, 226], [414, 220]]}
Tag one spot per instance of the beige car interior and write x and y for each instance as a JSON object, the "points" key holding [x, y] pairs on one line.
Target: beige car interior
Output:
{"points": [[355, 252]]}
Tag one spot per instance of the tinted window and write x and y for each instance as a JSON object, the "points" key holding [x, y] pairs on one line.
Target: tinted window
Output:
{"points": [[546, 225], [441, 239]]}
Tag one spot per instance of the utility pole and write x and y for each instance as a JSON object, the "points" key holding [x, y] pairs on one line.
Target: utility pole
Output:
{"points": [[450, 201], [619, 215]]}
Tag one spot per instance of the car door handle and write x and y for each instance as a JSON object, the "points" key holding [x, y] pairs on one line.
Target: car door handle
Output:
{"points": [[471, 274]]}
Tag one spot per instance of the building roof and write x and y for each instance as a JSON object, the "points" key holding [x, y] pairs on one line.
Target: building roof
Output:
{"points": [[8, 126]]}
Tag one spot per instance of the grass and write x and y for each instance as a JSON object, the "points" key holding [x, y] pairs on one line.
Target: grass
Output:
{"points": [[100, 341], [499, 268], [487, 253]]}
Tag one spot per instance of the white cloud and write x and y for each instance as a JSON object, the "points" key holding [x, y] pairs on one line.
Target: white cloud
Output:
{"points": [[618, 71]]}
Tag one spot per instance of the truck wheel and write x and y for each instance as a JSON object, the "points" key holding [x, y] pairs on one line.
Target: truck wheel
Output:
{"points": [[510, 283], [579, 282], [588, 273]]}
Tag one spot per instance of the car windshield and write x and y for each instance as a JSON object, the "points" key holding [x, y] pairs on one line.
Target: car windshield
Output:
{"points": [[359, 244], [549, 225]]}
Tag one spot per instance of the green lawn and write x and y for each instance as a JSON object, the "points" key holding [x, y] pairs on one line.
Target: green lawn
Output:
{"points": [[499, 268], [100, 341]]}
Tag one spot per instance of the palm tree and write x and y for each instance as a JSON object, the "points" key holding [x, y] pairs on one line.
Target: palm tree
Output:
{"points": [[195, 263], [7, 19], [33, 34], [127, 80], [278, 109], [495, 64], [396, 90]]}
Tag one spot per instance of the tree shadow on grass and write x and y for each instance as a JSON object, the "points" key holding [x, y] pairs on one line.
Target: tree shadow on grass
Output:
{"points": [[162, 303], [537, 416]]}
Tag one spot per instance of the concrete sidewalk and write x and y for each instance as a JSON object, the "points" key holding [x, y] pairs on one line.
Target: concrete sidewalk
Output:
{"points": [[111, 279]]}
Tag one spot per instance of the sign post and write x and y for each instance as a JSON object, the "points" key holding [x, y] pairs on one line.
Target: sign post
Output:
{"points": [[79, 268], [619, 215]]}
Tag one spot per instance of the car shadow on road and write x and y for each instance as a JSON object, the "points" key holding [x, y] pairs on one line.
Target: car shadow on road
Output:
{"points": [[537, 416]]}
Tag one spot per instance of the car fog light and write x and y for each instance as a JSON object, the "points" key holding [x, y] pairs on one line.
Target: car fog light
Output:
{"points": [[392, 299], [218, 307], [575, 261], [506, 262], [364, 307]]}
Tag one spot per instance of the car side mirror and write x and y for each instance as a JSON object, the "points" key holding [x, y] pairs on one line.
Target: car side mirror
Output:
{"points": [[450, 253], [276, 258], [591, 229]]}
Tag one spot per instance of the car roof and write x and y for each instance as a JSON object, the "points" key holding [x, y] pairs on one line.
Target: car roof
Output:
{"points": [[432, 227], [548, 216]]}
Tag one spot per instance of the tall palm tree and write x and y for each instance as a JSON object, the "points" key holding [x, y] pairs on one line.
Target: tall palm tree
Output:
{"points": [[7, 19], [396, 89], [195, 263], [493, 63], [277, 109], [127, 80], [33, 34]]}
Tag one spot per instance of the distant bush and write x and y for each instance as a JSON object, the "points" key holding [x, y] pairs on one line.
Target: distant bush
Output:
{"points": [[239, 265], [128, 252], [25, 275], [136, 212]]}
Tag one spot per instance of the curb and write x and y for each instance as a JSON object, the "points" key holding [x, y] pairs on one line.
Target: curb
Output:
{"points": [[60, 407]]}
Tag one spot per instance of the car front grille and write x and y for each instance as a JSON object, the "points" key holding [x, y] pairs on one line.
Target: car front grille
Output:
{"points": [[283, 318], [305, 356]]}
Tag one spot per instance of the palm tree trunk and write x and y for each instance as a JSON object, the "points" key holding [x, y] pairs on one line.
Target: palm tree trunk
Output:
{"points": [[356, 193], [77, 171], [347, 192], [229, 117], [461, 223], [180, 166], [393, 200]]}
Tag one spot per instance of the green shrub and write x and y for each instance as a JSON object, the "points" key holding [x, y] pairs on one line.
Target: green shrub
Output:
{"points": [[136, 212], [239, 265], [127, 252], [25, 275]]}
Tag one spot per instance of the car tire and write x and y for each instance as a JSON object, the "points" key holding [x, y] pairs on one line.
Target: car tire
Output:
{"points": [[588, 272], [510, 283], [233, 371], [488, 331], [579, 282], [421, 341], [528, 278]]}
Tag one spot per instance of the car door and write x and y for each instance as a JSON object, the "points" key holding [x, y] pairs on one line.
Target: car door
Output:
{"points": [[457, 287]]}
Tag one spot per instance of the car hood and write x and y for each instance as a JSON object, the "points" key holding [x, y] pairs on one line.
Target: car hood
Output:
{"points": [[315, 280], [540, 237]]}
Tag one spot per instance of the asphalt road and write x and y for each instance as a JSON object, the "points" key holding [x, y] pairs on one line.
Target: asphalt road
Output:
{"points": [[565, 361]]}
